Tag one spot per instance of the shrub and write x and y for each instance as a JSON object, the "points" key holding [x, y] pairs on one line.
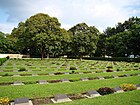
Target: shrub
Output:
{"points": [[6, 74], [72, 72], [73, 68], [109, 70], [109, 67], [105, 90], [22, 69], [4, 101], [128, 87], [97, 71]]}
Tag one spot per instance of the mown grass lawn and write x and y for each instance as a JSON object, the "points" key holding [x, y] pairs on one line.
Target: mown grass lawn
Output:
{"points": [[57, 77], [49, 90], [127, 98]]}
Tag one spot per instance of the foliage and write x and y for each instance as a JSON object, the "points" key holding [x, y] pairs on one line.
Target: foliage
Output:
{"points": [[2, 60], [22, 69], [4, 101], [105, 90], [109, 70], [128, 87], [122, 40], [41, 34], [83, 40], [73, 68]]}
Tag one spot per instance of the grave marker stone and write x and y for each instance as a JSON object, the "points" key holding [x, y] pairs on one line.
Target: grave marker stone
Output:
{"points": [[66, 72], [15, 75], [29, 70], [115, 76], [84, 79], [18, 83], [80, 72], [65, 80], [60, 98], [126, 75], [138, 86], [118, 90], [15, 70], [22, 101], [92, 93], [34, 74], [103, 71], [42, 82], [51, 73], [100, 77]]}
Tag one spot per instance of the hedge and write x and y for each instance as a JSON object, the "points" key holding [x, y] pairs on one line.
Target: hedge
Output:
{"points": [[2, 60]]}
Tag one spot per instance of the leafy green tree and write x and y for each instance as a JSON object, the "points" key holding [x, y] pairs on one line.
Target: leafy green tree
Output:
{"points": [[40, 34], [83, 39], [124, 39]]}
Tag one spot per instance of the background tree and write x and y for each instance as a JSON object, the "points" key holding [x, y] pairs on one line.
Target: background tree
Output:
{"points": [[83, 39], [122, 40], [40, 34]]}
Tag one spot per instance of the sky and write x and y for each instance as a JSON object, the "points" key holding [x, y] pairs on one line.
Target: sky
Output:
{"points": [[98, 13]]}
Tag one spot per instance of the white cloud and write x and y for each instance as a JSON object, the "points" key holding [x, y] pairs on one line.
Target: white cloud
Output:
{"points": [[100, 13], [7, 28]]}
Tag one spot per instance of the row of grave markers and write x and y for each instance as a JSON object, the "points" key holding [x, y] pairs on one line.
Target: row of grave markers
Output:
{"points": [[64, 98], [51, 73], [66, 80]]}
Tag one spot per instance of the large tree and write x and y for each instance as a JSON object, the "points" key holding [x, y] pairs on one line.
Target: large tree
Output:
{"points": [[83, 39], [40, 33], [122, 40]]}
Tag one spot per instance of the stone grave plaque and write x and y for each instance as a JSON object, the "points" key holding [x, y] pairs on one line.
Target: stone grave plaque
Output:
{"points": [[51, 73], [16, 75], [126, 75], [22, 101], [92, 71], [34, 74], [123, 70], [100, 77], [60, 98], [92, 93], [66, 72], [103, 71], [114, 71], [15, 70], [19, 101], [80, 72], [42, 82], [138, 86], [118, 90], [1, 70], [115, 76], [65, 80], [18, 83], [29, 70], [84, 79]]}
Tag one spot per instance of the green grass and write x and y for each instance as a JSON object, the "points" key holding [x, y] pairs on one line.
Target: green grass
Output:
{"points": [[128, 98], [47, 90]]}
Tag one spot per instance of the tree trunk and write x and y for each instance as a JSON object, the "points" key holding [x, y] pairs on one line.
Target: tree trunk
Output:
{"points": [[81, 56], [42, 55], [47, 55]]}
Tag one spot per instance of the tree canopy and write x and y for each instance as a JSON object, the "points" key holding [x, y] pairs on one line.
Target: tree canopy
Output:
{"points": [[42, 36]]}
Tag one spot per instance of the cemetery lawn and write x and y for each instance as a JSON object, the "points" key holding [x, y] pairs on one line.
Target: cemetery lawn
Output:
{"points": [[127, 98], [74, 77], [49, 90]]}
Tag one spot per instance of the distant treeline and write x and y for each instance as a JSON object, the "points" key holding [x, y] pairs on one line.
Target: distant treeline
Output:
{"points": [[41, 36]]}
